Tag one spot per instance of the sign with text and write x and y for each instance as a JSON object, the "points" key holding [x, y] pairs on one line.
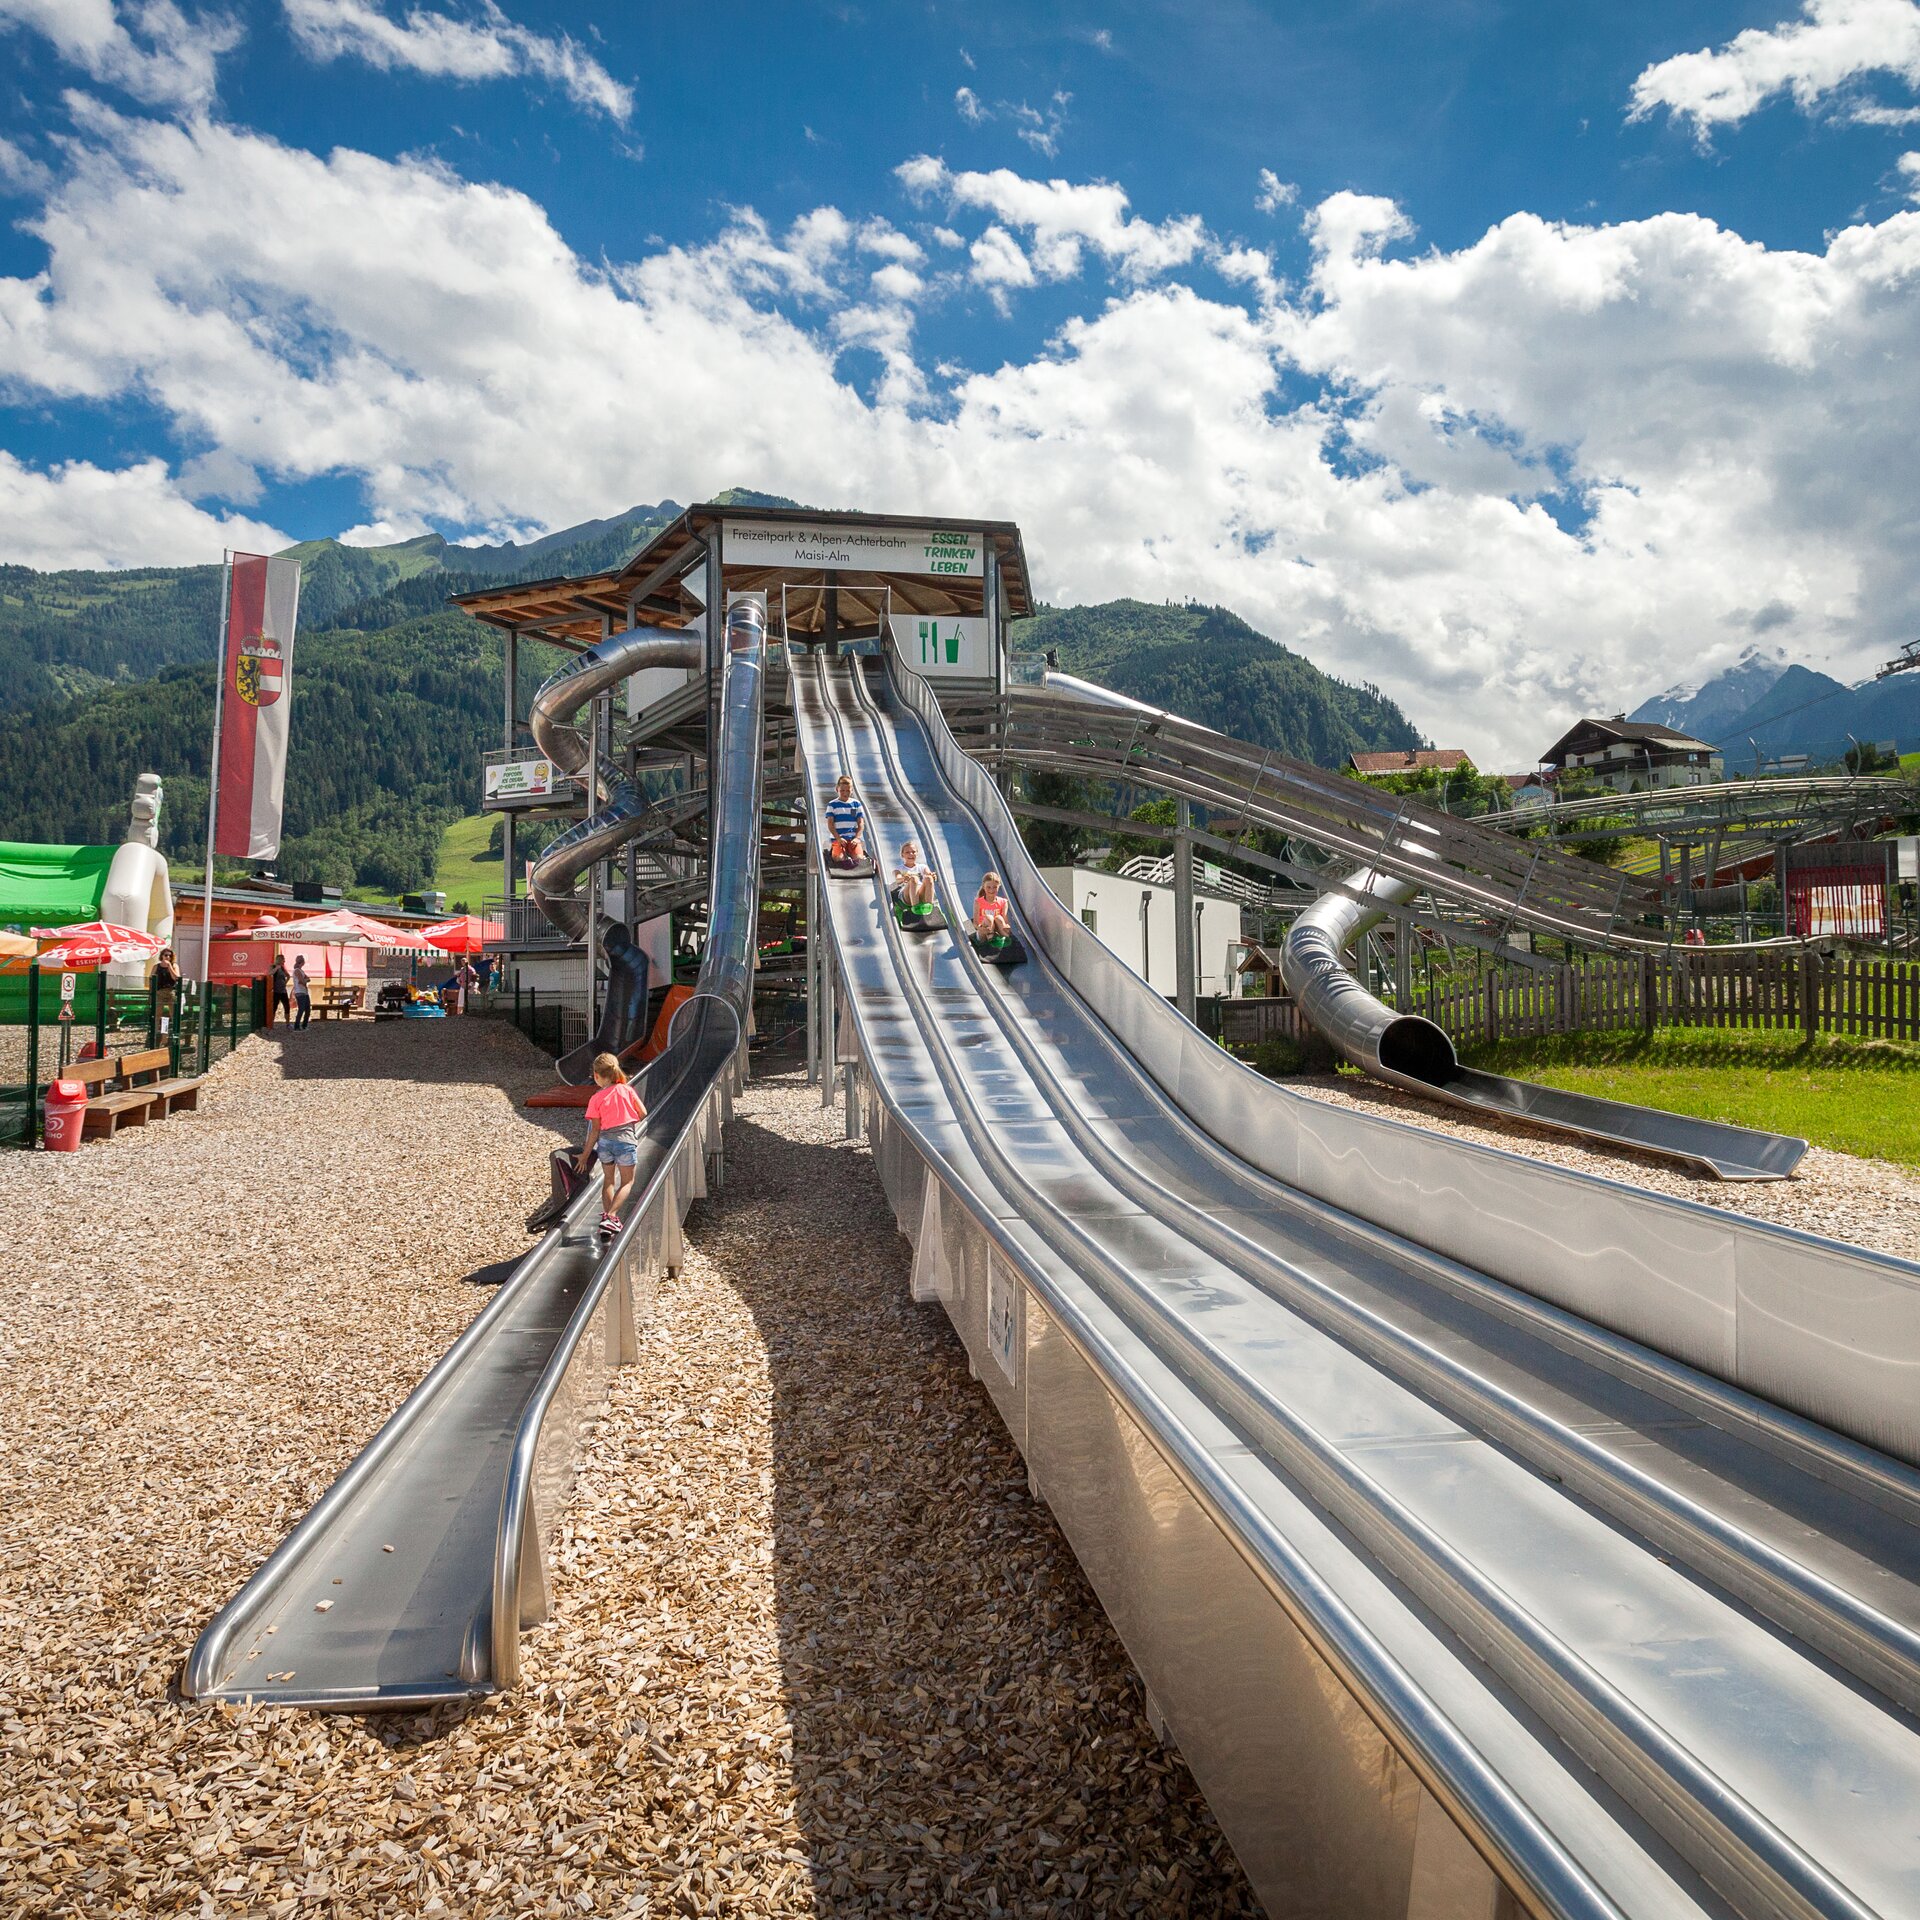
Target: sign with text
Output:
{"points": [[783, 543], [957, 648], [518, 780], [68, 981]]}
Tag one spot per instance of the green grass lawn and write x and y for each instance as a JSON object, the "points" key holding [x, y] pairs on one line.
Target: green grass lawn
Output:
{"points": [[463, 872], [1859, 1096]]}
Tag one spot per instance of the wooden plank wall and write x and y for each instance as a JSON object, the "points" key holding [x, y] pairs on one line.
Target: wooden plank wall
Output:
{"points": [[1697, 987]]}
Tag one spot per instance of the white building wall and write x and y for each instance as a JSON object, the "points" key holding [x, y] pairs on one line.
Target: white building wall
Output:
{"points": [[1135, 919]]}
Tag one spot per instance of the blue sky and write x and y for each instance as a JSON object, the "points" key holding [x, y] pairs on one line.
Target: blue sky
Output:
{"points": [[1514, 358]]}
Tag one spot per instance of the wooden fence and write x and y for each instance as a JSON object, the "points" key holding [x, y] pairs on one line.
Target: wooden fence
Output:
{"points": [[1782, 990], [1686, 987]]}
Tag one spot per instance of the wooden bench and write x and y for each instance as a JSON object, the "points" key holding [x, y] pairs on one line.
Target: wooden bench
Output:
{"points": [[180, 1094], [110, 1108], [338, 1002]]}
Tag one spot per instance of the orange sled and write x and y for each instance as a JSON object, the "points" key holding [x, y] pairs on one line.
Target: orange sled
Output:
{"points": [[636, 1055]]}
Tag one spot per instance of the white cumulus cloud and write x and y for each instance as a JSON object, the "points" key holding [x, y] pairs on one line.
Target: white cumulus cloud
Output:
{"points": [[1274, 193], [1830, 46], [1063, 219], [487, 46], [1553, 468], [148, 48], [80, 515]]}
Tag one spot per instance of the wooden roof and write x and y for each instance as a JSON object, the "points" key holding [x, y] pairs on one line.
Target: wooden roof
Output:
{"points": [[650, 589]]}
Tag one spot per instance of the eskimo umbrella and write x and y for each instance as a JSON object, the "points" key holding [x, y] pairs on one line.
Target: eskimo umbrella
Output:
{"points": [[95, 943], [344, 927]]}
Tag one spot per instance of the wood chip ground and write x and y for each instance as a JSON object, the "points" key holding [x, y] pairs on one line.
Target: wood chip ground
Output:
{"points": [[815, 1649]]}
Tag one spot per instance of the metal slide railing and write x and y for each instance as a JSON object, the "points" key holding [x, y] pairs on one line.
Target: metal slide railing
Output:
{"points": [[428, 1552], [1096, 1250]]}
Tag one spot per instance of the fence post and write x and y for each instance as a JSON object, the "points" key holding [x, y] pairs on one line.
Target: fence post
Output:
{"points": [[1809, 994], [516, 997], [31, 1131], [1649, 986], [233, 1017], [153, 1013], [100, 1014]]}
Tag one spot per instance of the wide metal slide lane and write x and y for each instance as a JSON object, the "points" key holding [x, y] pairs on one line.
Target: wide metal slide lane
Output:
{"points": [[1335, 1356], [409, 1580]]}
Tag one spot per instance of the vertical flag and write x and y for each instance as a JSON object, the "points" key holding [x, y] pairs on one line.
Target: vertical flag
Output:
{"points": [[263, 602]]}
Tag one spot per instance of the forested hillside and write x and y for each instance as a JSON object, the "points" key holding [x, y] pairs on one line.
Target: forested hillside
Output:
{"points": [[1208, 665], [385, 750], [396, 696]]}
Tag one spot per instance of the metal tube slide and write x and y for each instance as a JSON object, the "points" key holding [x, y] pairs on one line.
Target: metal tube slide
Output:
{"points": [[428, 1551], [557, 873], [1403, 1050]]}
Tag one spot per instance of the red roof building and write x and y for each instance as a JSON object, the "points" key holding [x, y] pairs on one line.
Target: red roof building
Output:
{"points": [[1409, 760]]}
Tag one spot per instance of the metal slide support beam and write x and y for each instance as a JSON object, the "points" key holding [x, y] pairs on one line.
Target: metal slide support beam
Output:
{"points": [[596, 775], [814, 950], [1185, 936], [827, 1022], [510, 647], [716, 635]]}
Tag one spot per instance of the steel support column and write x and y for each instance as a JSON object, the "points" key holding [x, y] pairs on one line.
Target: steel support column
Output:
{"points": [[815, 947], [1185, 935]]}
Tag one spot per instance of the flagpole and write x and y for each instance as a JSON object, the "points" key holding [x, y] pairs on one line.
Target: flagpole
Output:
{"points": [[213, 792]]}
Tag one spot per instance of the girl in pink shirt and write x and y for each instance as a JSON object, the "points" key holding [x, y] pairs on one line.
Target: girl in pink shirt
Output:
{"points": [[613, 1115]]}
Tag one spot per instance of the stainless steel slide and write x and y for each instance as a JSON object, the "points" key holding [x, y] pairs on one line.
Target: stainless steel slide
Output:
{"points": [[1442, 1587], [619, 817], [1424, 851], [1406, 1051], [411, 1578]]}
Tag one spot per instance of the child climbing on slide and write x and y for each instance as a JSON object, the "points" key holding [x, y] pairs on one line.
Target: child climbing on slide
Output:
{"points": [[612, 1115]]}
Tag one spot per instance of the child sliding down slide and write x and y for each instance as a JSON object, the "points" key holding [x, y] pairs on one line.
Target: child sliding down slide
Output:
{"points": [[847, 822], [613, 1114], [992, 934], [912, 893]]}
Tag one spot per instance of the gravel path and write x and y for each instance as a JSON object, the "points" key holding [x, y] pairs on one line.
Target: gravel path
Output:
{"points": [[1871, 1203], [815, 1649]]}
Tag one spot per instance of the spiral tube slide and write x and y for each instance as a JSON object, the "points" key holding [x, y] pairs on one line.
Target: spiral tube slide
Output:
{"points": [[1403, 1050], [623, 1014]]}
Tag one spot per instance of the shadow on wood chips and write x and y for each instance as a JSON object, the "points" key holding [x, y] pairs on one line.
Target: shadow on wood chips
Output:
{"points": [[968, 1732]]}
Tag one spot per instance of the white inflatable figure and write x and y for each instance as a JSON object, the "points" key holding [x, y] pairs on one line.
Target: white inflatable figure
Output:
{"points": [[138, 892]]}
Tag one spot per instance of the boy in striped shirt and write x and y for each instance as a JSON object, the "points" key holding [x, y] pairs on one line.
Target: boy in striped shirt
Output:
{"points": [[847, 819]]}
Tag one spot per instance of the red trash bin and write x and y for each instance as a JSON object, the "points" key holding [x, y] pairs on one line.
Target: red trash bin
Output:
{"points": [[66, 1112]]}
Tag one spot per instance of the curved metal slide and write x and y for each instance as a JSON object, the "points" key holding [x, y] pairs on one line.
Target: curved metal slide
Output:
{"points": [[1403, 1049], [411, 1578], [1464, 1516], [1407, 1051]]}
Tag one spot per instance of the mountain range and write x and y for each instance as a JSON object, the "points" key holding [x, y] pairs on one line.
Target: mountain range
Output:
{"points": [[1764, 706], [107, 674]]}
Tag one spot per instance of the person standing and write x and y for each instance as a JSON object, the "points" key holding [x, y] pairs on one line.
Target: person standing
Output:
{"points": [[281, 1003], [166, 985], [302, 993], [466, 980]]}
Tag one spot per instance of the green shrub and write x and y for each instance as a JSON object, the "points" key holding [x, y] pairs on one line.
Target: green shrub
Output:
{"points": [[1278, 1057]]}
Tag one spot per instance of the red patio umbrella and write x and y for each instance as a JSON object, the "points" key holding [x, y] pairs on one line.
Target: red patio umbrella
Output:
{"points": [[95, 943], [464, 933]]}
